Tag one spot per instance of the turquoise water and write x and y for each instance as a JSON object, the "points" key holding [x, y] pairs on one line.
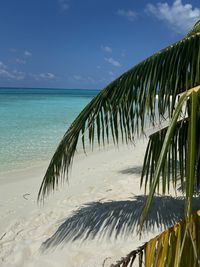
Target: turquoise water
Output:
{"points": [[33, 121]]}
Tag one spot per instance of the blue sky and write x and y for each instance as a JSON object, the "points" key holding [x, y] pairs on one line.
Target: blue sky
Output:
{"points": [[84, 43]]}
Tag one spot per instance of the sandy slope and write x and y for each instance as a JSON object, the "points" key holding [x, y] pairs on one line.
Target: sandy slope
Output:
{"points": [[100, 232]]}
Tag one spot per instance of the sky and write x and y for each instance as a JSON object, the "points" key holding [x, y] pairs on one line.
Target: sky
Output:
{"points": [[85, 43]]}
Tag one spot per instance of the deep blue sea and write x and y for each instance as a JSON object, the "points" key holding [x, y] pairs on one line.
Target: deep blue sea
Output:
{"points": [[33, 121]]}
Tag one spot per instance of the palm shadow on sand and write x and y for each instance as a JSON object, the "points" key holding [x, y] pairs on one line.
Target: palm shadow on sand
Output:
{"points": [[132, 170], [116, 218]]}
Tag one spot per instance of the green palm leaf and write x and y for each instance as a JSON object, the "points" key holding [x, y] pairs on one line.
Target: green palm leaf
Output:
{"points": [[174, 165], [162, 156], [121, 109], [191, 143]]}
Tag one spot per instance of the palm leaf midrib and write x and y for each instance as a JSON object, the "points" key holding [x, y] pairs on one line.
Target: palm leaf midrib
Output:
{"points": [[124, 104]]}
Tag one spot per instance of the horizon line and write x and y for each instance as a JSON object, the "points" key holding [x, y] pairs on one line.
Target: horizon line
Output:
{"points": [[51, 88]]}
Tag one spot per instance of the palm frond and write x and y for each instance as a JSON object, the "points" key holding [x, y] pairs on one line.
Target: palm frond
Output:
{"points": [[188, 141], [195, 29], [162, 157], [121, 109], [192, 176], [174, 166], [131, 257], [177, 246]]}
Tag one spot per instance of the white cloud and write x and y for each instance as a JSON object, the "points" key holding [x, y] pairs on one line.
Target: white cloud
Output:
{"points": [[47, 76], [111, 73], [180, 17], [34, 76], [113, 62], [27, 53], [2, 65], [43, 76], [106, 48], [77, 77], [19, 75], [5, 72], [64, 5], [84, 80], [20, 61], [91, 80], [129, 14], [123, 54]]}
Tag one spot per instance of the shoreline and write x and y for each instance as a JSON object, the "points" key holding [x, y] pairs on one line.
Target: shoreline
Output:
{"points": [[104, 185], [38, 167]]}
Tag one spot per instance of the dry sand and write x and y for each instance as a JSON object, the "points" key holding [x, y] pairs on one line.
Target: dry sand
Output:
{"points": [[94, 217]]}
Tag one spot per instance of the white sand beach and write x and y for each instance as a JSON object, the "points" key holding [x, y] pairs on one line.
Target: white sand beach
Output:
{"points": [[98, 233]]}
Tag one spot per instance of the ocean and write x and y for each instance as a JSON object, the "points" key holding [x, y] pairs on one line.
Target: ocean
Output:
{"points": [[33, 121]]}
